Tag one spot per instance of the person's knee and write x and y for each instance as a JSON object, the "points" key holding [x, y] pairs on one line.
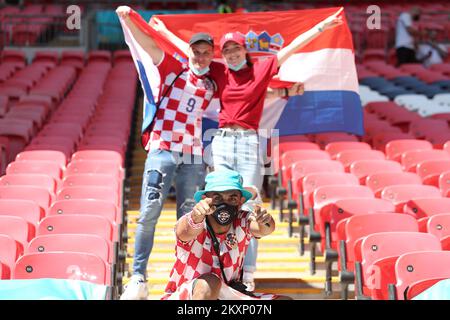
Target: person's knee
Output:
{"points": [[207, 287]]}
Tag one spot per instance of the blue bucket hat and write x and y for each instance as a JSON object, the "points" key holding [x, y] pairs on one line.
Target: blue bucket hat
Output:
{"points": [[223, 180]]}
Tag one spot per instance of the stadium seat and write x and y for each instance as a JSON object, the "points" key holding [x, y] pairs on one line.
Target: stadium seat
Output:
{"points": [[410, 159], [359, 226], [17, 228], [423, 208], [30, 179], [94, 167], [362, 168], [399, 195], [39, 195], [26, 209], [430, 171], [50, 168], [323, 197], [62, 265], [310, 182], [396, 148], [439, 225], [102, 155], [10, 252], [444, 183], [376, 257], [105, 193], [86, 206], [415, 267], [88, 243], [330, 217], [76, 224], [348, 157], [333, 148], [44, 155], [378, 181]]}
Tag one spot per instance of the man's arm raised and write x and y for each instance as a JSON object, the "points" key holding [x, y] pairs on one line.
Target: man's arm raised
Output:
{"points": [[144, 40]]}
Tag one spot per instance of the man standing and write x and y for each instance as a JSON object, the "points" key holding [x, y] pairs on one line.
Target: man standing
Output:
{"points": [[173, 141], [405, 35]]}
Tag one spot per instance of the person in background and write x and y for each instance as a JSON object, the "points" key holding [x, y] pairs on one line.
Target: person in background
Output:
{"points": [[431, 52], [406, 35], [224, 7]]}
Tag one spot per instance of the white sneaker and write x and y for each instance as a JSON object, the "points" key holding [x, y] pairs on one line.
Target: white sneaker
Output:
{"points": [[135, 289]]}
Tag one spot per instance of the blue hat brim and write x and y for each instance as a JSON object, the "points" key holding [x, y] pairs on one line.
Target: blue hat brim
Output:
{"points": [[246, 194]]}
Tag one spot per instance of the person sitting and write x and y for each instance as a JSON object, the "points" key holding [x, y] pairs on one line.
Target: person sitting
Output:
{"points": [[430, 51], [212, 240]]}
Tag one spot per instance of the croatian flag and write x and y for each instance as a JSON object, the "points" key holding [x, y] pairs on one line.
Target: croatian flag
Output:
{"points": [[326, 66]]}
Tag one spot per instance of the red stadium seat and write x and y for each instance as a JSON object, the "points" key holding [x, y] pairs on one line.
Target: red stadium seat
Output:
{"points": [[45, 155], [76, 223], [414, 267], [90, 192], [430, 171], [86, 206], [87, 243], [50, 168], [37, 194], [29, 179], [374, 268], [103, 155], [17, 228], [336, 212], [10, 252], [378, 181], [323, 197], [94, 167], [333, 148], [439, 225], [423, 208], [310, 182], [396, 148], [399, 195], [444, 183], [359, 226], [26, 209], [62, 265], [364, 168], [348, 157], [88, 179], [410, 159], [322, 139]]}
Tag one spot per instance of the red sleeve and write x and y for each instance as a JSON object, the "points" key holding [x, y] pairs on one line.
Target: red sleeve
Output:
{"points": [[267, 67], [167, 65]]}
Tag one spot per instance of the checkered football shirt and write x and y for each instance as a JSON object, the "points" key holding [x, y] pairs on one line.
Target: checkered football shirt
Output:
{"points": [[178, 122], [197, 257]]}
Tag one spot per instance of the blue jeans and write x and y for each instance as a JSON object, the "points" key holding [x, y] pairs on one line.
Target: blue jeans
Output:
{"points": [[161, 168], [242, 154]]}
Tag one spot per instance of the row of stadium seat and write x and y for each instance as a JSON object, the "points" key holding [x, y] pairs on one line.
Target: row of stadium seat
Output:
{"points": [[69, 181], [328, 187]]}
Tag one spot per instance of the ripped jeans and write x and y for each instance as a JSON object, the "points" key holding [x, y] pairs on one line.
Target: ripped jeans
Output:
{"points": [[161, 168]]}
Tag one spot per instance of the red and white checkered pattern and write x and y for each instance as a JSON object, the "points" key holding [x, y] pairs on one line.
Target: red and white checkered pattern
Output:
{"points": [[197, 257], [178, 122]]}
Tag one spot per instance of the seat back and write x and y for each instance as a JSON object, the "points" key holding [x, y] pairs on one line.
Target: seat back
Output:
{"points": [[76, 223], [88, 243], [363, 168], [62, 265], [378, 181], [395, 148], [415, 266], [410, 159], [401, 194], [333, 148], [382, 245]]}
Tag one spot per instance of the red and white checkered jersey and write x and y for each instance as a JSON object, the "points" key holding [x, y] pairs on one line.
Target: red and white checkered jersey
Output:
{"points": [[197, 257], [177, 125]]}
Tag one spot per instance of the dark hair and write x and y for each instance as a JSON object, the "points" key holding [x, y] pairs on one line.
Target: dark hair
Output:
{"points": [[249, 59]]}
